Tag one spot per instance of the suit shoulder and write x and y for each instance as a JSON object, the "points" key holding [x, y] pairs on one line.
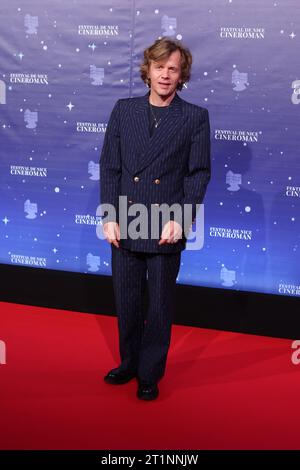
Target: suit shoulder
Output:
{"points": [[194, 109]]}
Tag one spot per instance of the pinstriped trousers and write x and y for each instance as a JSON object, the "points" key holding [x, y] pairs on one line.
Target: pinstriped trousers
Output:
{"points": [[144, 335]]}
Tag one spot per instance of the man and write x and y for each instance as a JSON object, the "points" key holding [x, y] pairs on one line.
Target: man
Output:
{"points": [[156, 153]]}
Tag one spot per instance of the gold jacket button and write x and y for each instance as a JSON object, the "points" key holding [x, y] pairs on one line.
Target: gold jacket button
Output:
{"points": [[157, 181], [136, 179]]}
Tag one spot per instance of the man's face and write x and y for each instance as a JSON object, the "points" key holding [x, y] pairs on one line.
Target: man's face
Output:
{"points": [[165, 75]]}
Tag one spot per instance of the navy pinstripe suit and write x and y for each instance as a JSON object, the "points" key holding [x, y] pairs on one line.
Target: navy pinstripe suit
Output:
{"points": [[172, 166]]}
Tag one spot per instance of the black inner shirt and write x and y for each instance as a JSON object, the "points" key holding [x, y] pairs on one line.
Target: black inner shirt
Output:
{"points": [[159, 112]]}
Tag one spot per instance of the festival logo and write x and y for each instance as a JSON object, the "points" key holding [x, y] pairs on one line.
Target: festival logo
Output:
{"points": [[30, 208], [31, 24]]}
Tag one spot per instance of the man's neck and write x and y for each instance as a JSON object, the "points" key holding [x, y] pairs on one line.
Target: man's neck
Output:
{"points": [[158, 100]]}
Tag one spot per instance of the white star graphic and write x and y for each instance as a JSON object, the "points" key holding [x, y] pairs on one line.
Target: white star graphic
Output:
{"points": [[5, 220], [70, 106]]}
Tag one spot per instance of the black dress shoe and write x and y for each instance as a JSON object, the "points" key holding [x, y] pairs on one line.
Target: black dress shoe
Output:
{"points": [[147, 391], [117, 377]]}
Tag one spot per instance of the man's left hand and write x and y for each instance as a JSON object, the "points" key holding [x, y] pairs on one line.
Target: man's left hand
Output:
{"points": [[171, 233]]}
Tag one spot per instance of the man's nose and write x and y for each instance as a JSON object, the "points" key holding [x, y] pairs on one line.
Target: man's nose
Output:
{"points": [[165, 73]]}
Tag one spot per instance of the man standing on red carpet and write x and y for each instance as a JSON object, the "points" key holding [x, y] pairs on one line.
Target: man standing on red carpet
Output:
{"points": [[155, 162]]}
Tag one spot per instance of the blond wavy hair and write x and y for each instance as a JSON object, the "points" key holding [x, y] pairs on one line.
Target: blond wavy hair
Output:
{"points": [[161, 49]]}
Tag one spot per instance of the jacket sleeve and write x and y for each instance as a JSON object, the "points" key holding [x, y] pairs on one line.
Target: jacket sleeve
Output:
{"points": [[199, 165], [110, 161]]}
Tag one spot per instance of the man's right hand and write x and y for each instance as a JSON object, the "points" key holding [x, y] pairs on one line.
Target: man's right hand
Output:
{"points": [[112, 233]]}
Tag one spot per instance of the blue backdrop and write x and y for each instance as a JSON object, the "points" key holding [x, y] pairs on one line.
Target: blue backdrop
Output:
{"points": [[64, 64]]}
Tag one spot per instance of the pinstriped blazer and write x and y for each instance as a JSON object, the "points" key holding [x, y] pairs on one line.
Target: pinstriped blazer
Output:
{"points": [[172, 166]]}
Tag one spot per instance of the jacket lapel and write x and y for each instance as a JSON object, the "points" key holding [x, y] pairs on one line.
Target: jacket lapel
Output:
{"points": [[168, 128]]}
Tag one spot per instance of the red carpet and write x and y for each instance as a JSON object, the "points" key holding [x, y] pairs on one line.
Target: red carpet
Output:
{"points": [[220, 391]]}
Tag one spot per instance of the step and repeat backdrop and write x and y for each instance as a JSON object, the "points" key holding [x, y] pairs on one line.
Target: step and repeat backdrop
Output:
{"points": [[63, 65]]}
